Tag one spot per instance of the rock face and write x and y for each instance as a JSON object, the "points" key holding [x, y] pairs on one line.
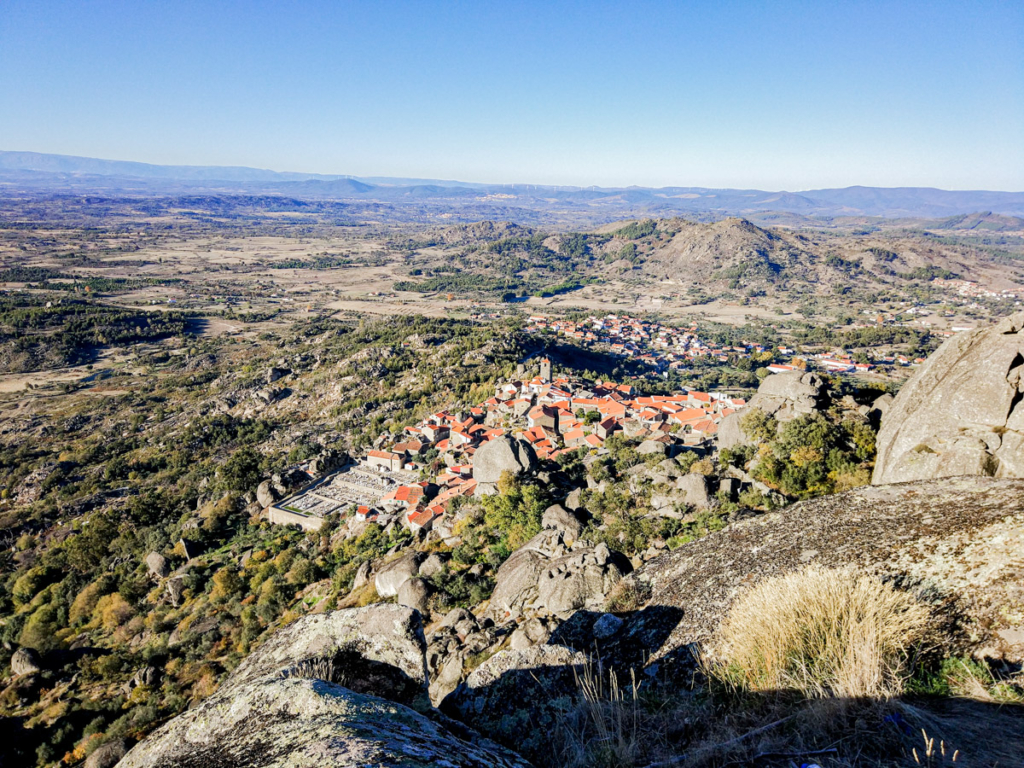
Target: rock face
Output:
{"points": [[156, 565], [559, 518], [782, 395], [266, 495], [961, 540], [960, 414], [515, 696], [694, 488], [378, 649], [414, 593], [25, 661], [458, 637], [279, 722], [362, 576], [547, 576], [107, 755], [502, 454], [391, 577], [578, 580], [286, 706]]}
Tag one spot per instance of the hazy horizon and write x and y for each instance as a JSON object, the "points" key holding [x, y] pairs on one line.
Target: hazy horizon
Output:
{"points": [[492, 183]]}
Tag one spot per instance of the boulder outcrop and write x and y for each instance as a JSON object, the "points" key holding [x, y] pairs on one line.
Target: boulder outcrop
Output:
{"points": [[279, 722], [266, 494], [391, 577], [547, 576], [107, 755], [305, 698], [377, 650], [960, 541], [500, 455], [25, 661], [156, 566], [415, 593], [960, 413], [458, 637], [782, 395], [558, 518]]}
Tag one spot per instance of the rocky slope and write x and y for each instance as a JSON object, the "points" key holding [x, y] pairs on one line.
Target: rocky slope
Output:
{"points": [[959, 541], [350, 687]]}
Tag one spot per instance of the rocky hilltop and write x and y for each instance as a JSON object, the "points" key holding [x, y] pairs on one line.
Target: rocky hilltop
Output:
{"points": [[350, 687]]}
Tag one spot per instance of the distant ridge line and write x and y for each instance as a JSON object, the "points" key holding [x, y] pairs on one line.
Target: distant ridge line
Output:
{"points": [[36, 171]]}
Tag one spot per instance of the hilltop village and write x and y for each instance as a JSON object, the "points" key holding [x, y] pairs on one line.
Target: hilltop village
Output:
{"points": [[395, 481], [659, 346], [666, 348]]}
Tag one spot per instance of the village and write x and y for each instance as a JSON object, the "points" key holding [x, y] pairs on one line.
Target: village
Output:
{"points": [[666, 348], [662, 347], [393, 484]]}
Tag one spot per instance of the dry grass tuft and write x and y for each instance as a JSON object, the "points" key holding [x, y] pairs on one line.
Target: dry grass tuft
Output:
{"points": [[824, 633], [628, 595], [608, 729]]}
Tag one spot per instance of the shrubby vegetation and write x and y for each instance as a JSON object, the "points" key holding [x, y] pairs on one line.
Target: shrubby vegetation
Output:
{"points": [[809, 456]]}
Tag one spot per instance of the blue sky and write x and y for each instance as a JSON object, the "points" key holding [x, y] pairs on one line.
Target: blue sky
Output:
{"points": [[770, 95]]}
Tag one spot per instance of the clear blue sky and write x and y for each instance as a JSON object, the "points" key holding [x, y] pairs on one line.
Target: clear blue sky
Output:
{"points": [[772, 95]]}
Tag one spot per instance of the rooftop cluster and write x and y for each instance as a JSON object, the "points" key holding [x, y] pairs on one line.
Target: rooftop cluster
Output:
{"points": [[423, 470]]}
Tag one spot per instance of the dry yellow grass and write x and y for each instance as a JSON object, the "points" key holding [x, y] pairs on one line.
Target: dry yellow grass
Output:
{"points": [[825, 633]]}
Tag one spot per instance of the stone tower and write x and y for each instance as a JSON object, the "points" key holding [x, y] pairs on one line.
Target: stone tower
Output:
{"points": [[545, 369]]}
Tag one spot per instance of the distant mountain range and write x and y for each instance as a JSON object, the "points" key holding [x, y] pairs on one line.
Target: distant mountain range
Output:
{"points": [[35, 172]]}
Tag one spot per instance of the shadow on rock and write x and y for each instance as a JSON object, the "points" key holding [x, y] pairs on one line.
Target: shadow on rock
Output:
{"points": [[518, 696], [625, 643]]}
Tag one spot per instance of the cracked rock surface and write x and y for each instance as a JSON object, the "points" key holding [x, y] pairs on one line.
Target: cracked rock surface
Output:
{"points": [[961, 413], [958, 542], [335, 689]]}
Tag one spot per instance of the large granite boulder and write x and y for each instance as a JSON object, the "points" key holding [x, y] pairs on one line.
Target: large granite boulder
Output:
{"points": [[295, 722], [958, 541], [546, 576], [790, 394], [580, 580], [516, 581], [391, 577], [415, 594], [455, 647], [107, 755], [305, 699], [377, 650], [25, 661], [500, 455], [517, 696], [266, 494], [960, 413], [694, 488], [157, 566], [558, 518], [782, 395]]}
